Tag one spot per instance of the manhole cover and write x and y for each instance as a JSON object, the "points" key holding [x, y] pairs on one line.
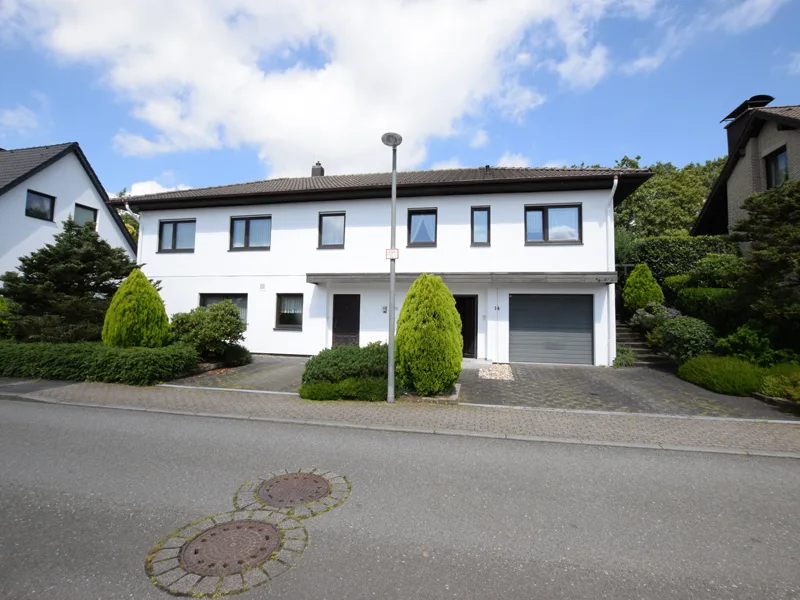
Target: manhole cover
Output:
{"points": [[230, 548], [293, 489]]}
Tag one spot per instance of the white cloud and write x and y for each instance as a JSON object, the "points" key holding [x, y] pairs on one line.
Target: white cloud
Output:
{"points": [[512, 159], [793, 67], [142, 188], [450, 163], [480, 139], [19, 119], [303, 81], [747, 14]]}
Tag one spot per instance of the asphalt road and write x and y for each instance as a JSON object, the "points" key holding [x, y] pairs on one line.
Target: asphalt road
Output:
{"points": [[85, 493]]}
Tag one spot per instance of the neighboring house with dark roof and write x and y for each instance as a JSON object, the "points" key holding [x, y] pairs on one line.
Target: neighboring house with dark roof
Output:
{"points": [[527, 252], [763, 151], [39, 188]]}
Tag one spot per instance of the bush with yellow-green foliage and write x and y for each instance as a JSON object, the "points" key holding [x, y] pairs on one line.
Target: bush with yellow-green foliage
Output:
{"points": [[428, 343], [136, 317], [641, 288]]}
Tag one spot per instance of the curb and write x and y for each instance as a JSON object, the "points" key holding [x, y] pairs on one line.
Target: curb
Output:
{"points": [[418, 430]]}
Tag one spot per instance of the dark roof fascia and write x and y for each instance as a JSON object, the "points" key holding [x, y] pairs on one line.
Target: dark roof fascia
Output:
{"points": [[628, 184], [38, 168], [104, 197], [477, 278]]}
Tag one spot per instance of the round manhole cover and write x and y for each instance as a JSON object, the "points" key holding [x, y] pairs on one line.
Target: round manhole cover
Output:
{"points": [[293, 489], [230, 548]]}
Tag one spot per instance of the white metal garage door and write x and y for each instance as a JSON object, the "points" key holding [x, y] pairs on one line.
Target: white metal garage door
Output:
{"points": [[551, 328]]}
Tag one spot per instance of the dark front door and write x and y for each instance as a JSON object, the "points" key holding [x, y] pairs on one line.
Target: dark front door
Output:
{"points": [[346, 319], [467, 307]]}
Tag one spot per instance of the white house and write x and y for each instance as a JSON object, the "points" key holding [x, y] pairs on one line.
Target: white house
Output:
{"points": [[39, 189], [527, 252]]}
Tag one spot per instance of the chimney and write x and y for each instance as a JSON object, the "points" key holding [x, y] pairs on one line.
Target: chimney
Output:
{"points": [[736, 124], [317, 170]]}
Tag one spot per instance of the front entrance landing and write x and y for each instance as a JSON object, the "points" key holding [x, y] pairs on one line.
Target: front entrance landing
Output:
{"points": [[639, 390]]}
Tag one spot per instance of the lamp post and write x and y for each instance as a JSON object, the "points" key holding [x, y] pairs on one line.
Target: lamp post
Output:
{"points": [[393, 140]]}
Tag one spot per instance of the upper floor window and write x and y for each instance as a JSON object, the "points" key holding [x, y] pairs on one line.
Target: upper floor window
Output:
{"points": [[331, 230], [553, 224], [84, 214], [777, 168], [422, 227], [289, 311], [239, 301], [40, 206], [251, 233], [481, 221], [176, 236]]}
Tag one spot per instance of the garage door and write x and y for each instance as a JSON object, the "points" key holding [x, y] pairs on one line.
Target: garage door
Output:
{"points": [[551, 329]]}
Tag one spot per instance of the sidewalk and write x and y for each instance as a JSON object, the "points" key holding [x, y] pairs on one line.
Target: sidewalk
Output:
{"points": [[593, 428]]}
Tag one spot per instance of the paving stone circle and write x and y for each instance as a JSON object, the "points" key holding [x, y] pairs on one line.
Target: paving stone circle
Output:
{"points": [[299, 494], [235, 556]]}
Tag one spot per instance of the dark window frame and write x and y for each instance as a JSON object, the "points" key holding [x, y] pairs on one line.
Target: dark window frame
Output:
{"points": [[544, 209], [278, 325], [423, 211], [172, 249], [84, 207], [473, 210], [52, 199], [227, 296], [322, 215], [769, 159], [247, 247]]}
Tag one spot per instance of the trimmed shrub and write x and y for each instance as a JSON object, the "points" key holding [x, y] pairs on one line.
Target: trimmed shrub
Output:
{"points": [[674, 284], [723, 374], [211, 330], [652, 316], [666, 255], [348, 362], [136, 317], [717, 271], [716, 306], [655, 338], [783, 381], [687, 337], [747, 344], [87, 361], [236, 355], [640, 289], [428, 343], [626, 357], [372, 389]]}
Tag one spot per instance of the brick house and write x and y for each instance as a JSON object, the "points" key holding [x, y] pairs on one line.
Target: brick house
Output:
{"points": [[763, 151]]}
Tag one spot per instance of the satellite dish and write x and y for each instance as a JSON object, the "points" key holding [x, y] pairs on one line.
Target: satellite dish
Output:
{"points": [[392, 139]]}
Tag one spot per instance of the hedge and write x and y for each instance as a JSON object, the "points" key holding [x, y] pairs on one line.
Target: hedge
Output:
{"points": [[353, 388], [90, 361], [723, 374], [668, 255], [715, 306]]}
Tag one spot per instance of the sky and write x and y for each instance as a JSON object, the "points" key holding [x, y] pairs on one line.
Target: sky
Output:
{"points": [[171, 94]]}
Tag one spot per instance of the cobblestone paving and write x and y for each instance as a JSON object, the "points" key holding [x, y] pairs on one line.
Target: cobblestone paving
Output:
{"points": [[495, 422], [642, 390], [271, 373]]}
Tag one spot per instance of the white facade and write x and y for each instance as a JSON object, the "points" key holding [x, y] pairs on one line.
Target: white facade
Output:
{"points": [[68, 182], [214, 269]]}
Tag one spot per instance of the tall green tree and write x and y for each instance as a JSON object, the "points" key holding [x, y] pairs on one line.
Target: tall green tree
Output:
{"points": [[669, 203], [137, 316], [61, 292]]}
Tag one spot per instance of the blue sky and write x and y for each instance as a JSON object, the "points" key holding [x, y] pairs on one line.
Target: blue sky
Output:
{"points": [[246, 89]]}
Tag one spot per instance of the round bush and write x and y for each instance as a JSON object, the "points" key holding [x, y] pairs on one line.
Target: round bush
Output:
{"points": [[428, 343], [236, 355], [641, 288], [210, 330], [345, 362], [687, 337], [136, 316], [723, 374]]}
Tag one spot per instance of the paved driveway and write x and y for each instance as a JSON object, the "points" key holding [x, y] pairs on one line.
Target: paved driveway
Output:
{"points": [[270, 373], [642, 390]]}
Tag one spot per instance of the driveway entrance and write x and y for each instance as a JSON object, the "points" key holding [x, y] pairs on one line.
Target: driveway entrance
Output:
{"points": [[266, 373]]}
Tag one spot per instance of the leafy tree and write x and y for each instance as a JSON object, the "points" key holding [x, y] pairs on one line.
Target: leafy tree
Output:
{"points": [[669, 203], [61, 292], [641, 288], [5, 330], [624, 246], [428, 342], [770, 285], [136, 317]]}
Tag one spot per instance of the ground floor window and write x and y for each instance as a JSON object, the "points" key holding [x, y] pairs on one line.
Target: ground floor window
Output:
{"points": [[239, 300], [289, 311]]}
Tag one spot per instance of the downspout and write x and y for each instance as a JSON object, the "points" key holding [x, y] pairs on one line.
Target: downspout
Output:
{"points": [[612, 350]]}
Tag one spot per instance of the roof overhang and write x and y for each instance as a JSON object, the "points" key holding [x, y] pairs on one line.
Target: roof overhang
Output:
{"points": [[477, 278]]}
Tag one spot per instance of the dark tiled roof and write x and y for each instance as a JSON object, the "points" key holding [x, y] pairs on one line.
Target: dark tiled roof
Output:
{"points": [[375, 180], [789, 112], [16, 165]]}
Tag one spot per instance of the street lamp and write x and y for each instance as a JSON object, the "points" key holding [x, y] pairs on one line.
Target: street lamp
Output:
{"points": [[393, 140]]}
